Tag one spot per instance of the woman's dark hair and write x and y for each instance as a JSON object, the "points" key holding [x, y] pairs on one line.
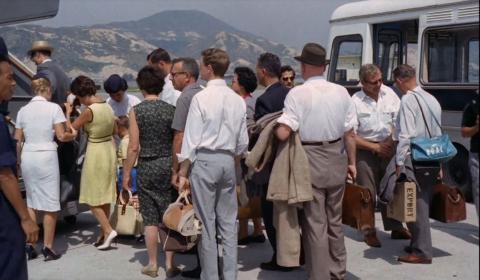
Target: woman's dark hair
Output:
{"points": [[246, 78], [83, 86], [114, 84], [151, 80], [271, 63]]}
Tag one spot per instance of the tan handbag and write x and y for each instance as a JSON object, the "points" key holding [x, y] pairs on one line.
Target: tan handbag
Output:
{"points": [[180, 217], [125, 218]]}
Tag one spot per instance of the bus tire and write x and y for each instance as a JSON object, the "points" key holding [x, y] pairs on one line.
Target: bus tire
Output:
{"points": [[456, 172]]}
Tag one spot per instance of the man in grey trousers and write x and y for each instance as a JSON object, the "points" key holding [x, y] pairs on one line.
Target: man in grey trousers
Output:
{"points": [[214, 139], [416, 118]]}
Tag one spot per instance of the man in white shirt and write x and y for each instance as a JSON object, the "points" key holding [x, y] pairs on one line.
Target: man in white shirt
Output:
{"points": [[119, 100], [161, 59], [376, 107], [418, 116], [323, 114], [215, 138]]}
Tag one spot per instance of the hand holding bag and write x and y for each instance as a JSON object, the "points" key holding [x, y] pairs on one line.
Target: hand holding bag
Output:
{"points": [[439, 148], [358, 208], [180, 217], [124, 217]]}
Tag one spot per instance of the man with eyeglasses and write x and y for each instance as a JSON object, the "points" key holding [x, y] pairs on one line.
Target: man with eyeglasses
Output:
{"points": [[376, 112], [287, 76], [184, 76]]}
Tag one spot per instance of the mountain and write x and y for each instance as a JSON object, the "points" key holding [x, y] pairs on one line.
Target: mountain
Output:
{"points": [[121, 47]]}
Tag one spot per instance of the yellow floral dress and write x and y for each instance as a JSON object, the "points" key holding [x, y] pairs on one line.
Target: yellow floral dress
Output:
{"points": [[97, 186]]}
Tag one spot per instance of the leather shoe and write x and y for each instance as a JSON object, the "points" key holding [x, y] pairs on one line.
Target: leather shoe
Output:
{"points": [[273, 266], [401, 234], [372, 240], [414, 259]]}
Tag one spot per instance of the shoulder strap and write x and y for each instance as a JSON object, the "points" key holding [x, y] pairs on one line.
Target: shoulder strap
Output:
{"points": [[431, 112], [423, 115]]}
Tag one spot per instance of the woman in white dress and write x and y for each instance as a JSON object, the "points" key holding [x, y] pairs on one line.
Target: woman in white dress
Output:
{"points": [[37, 124]]}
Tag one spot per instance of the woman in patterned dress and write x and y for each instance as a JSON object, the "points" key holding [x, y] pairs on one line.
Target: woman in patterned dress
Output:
{"points": [[97, 185], [151, 139]]}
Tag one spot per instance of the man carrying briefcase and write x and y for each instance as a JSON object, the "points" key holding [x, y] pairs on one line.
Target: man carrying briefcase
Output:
{"points": [[376, 112]]}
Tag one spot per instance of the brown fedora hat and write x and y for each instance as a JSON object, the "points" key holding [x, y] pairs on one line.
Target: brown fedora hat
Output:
{"points": [[313, 54], [40, 46]]}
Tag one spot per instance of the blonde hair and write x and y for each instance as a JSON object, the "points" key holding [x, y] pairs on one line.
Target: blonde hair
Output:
{"points": [[41, 86]]}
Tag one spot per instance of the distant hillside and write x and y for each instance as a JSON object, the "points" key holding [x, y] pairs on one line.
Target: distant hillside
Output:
{"points": [[121, 47]]}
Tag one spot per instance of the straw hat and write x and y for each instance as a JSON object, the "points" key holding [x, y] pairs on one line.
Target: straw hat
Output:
{"points": [[40, 46]]}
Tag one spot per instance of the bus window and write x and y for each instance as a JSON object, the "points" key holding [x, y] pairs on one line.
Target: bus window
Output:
{"points": [[473, 61], [412, 54], [395, 43], [451, 55], [392, 60], [346, 59]]}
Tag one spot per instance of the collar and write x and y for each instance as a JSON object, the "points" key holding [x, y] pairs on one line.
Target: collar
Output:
{"points": [[216, 82], [191, 86], [39, 98], [362, 95], [272, 85], [248, 95], [315, 78], [46, 60], [167, 78]]}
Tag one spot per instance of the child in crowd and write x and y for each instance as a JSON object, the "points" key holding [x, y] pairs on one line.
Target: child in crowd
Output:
{"points": [[122, 134]]}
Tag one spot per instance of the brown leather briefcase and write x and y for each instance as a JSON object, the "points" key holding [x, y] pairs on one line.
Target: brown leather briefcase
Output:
{"points": [[448, 204], [358, 209]]}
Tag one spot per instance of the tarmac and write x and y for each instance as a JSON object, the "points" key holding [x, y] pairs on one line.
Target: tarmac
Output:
{"points": [[456, 255]]}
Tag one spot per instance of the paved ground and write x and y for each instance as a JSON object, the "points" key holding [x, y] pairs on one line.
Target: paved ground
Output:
{"points": [[456, 256]]}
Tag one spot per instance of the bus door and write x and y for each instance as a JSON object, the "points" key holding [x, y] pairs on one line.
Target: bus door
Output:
{"points": [[395, 43]]}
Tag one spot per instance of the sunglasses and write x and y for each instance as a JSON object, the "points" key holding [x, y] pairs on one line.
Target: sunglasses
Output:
{"points": [[288, 78], [173, 74]]}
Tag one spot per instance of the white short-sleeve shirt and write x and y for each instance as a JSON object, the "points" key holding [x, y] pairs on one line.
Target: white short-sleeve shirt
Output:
{"points": [[376, 120], [319, 110], [123, 107], [37, 119]]}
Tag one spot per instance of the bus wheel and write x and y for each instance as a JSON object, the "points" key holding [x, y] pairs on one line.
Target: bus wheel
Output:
{"points": [[71, 220], [457, 173]]}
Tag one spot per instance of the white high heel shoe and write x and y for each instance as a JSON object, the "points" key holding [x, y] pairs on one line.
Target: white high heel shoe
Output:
{"points": [[106, 244]]}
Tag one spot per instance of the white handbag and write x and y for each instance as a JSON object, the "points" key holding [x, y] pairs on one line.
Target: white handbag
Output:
{"points": [[125, 218]]}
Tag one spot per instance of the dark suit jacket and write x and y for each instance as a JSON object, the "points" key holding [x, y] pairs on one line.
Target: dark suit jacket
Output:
{"points": [[271, 101], [59, 80]]}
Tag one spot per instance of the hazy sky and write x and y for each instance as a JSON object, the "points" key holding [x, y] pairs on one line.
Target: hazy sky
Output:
{"points": [[292, 23]]}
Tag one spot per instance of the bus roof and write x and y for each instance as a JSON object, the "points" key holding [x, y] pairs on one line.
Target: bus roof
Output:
{"points": [[379, 7]]}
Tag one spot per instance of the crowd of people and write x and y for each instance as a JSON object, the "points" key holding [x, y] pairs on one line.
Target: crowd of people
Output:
{"points": [[202, 139]]}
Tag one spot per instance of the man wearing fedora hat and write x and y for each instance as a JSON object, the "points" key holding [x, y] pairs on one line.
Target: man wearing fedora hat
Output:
{"points": [[323, 114], [40, 54]]}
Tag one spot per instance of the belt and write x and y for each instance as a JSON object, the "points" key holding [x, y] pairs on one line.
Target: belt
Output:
{"points": [[319, 143], [100, 139]]}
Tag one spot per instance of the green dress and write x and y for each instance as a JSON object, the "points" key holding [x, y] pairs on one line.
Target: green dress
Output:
{"points": [[154, 169], [97, 186]]}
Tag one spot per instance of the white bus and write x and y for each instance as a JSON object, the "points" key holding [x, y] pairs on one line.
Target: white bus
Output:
{"points": [[438, 37]]}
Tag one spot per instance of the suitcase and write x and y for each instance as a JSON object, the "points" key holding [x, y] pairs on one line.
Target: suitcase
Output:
{"points": [[448, 204], [358, 208]]}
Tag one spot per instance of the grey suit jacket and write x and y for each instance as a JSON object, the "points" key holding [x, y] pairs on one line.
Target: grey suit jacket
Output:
{"points": [[59, 80]]}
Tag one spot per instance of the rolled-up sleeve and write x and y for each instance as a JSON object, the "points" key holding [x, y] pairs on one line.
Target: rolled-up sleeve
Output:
{"points": [[406, 131], [193, 132], [291, 112], [350, 116]]}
